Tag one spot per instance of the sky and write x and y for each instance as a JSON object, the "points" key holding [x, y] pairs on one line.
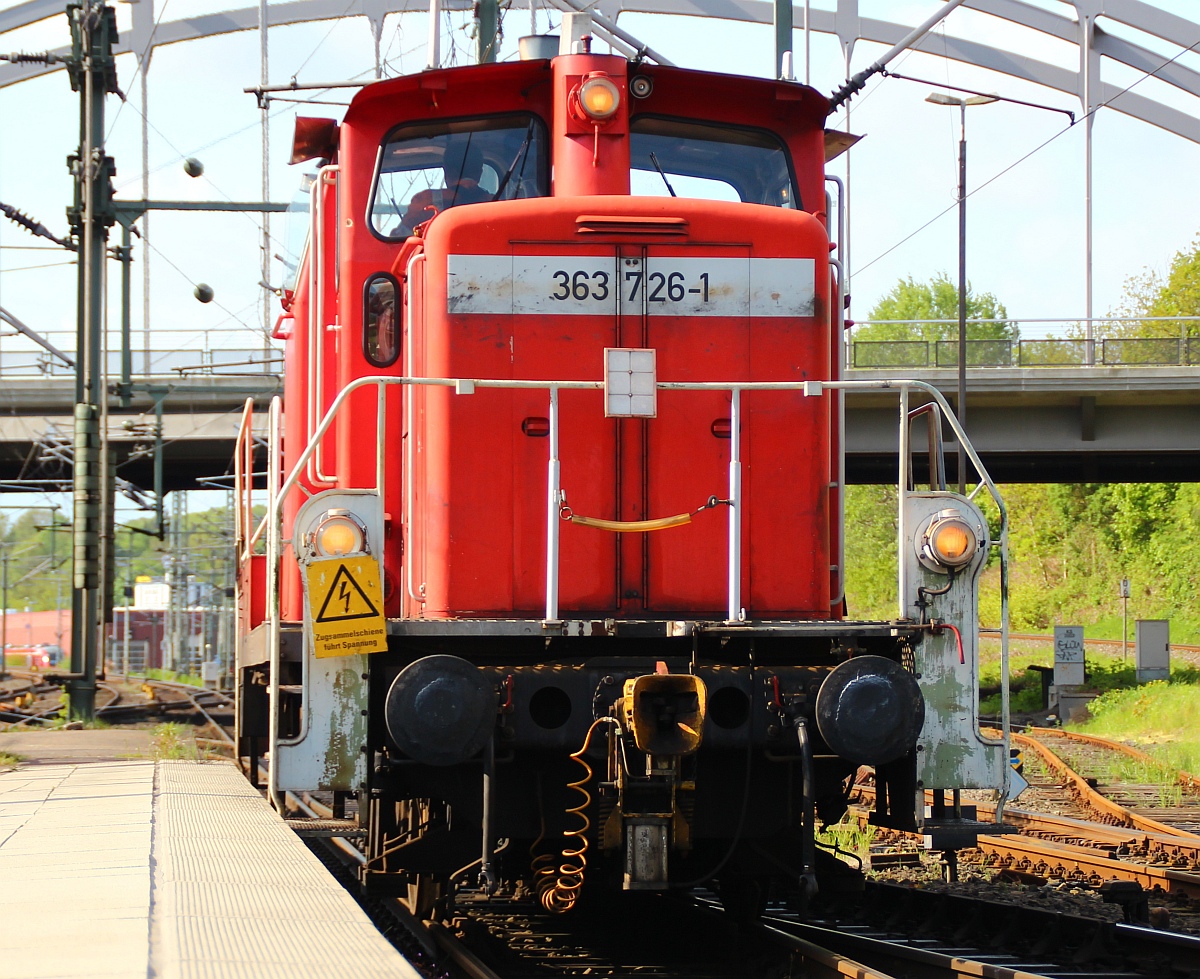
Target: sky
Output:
{"points": [[1025, 173]]}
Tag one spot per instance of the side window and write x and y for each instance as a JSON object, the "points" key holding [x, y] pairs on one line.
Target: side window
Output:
{"points": [[425, 168], [381, 329]]}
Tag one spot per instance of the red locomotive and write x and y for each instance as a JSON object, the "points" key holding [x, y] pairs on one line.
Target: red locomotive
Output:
{"points": [[553, 550]]}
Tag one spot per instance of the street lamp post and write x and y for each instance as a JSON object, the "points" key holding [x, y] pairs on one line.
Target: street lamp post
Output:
{"points": [[940, 98]]}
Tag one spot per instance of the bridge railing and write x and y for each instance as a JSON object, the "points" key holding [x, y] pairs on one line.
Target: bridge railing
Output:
{"points": [[174, 352], [1049, 352]]}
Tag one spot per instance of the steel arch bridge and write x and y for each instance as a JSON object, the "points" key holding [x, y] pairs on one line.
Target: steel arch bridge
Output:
{"points": [[1081, 24]]}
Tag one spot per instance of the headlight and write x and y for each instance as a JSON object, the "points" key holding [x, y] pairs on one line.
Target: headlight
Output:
{"points": [[338, 533], [599, 98], [949, 542]]}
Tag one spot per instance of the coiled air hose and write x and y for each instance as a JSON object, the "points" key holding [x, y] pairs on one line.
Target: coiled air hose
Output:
{"points": [[558, 880]]}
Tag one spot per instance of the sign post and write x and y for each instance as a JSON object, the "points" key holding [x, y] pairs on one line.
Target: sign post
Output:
{"points": [[1124, 619]]}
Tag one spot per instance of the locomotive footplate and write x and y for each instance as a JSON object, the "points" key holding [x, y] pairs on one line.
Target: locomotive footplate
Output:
{"points": [[653, 628]]}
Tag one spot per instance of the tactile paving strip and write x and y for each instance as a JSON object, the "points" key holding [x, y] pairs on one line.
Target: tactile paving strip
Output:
{"points": [[177, 870], [237, 893]]}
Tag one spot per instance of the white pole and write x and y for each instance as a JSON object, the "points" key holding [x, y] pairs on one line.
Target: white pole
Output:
{"points": [[1087, 26], [435, 34], [553, 500], [807, 45], [735, 506]]}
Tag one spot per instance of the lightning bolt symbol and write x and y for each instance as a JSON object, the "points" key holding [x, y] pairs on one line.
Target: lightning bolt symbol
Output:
{"points": [[344, 595]]}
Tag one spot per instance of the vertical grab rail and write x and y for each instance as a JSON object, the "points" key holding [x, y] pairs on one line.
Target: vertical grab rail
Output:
{"points": [[327, 175], [416, 597], [554, 499], [274, 553], [937, 461], [243, 481], [901, 496], [839, 418], [735, 613]]}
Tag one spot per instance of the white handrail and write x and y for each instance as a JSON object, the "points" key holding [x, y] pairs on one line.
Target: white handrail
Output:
{"points": [[327, 175], [467, 386], [274, 627]]}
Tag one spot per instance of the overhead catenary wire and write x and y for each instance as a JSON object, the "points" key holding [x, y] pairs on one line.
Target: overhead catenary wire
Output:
{"points": [[142, 60], [1016, 163]]}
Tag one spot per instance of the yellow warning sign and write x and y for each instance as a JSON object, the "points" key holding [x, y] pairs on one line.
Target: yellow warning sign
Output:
{"points": [[345, 607]]}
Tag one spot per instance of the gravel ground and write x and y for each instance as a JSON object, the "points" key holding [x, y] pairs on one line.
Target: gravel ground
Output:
{"points": [[1069, 897]]}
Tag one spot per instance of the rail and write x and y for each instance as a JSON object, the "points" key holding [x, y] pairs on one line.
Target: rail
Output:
{"points": [[278, 486], [195, 352], [1023, 354]]}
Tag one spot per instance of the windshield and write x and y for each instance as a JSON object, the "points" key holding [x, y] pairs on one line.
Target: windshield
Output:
{"points": [[709, 161], [426, 168]]}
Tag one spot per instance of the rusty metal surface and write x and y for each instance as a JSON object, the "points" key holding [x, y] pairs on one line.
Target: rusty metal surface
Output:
{"points": [[1097, 801], [1186, 779], [1047, 858]]}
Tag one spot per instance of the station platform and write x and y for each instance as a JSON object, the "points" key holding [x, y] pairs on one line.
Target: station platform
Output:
{"points": [[170, 869]]}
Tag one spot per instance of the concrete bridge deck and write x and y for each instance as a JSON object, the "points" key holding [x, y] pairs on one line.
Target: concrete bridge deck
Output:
{"points": [[1072, 424]]}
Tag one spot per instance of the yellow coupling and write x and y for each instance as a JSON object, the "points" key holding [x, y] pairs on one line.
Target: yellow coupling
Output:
{"points": [[665, 712]]}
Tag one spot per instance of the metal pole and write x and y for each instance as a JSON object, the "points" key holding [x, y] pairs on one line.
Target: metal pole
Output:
{"points": [[126, 340], [158, 466], [1124, 626], [807, 45], [145, 217], [783, 35], [487, 23], [435, 37], [128, 600], [962, 296], [58, 628], [266, 180], [93, 29], [4, 624], [1086, 25]]}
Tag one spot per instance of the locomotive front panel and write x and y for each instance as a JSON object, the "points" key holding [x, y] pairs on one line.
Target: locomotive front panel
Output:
{"points": [[528, 290]]}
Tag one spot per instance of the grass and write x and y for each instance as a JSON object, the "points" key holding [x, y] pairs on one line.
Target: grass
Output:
{"points": [[176, 742], [8, 760], [171, 741], [1159, 717], [850, 836], [170, 676]]}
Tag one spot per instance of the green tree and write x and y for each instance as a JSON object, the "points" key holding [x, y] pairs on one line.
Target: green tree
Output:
{"points": [[1148, 294], [40, 558], [936, 299]]}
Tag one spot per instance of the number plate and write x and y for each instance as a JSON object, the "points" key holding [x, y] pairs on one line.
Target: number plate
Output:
{"points": [[601, 286]]}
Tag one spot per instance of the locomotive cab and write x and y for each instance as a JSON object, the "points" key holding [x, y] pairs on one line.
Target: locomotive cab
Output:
{"points": [[553, 583]]}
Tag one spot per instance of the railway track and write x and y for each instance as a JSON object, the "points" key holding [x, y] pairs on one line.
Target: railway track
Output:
{"points": [[154, 698], [1074, 832], [1123, 784]]}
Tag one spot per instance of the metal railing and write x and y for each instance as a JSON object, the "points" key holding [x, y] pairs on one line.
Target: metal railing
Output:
{"points": [[1049, 352], [176, 352], [280, 486]]}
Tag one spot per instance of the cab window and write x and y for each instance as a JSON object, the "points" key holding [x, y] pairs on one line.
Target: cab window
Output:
{"points": [[710, 161], [428, 167]]}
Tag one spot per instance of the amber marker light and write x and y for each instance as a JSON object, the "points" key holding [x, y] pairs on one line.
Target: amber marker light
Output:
{"points": [[339, 534], [599, 99], [951, 542]]}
